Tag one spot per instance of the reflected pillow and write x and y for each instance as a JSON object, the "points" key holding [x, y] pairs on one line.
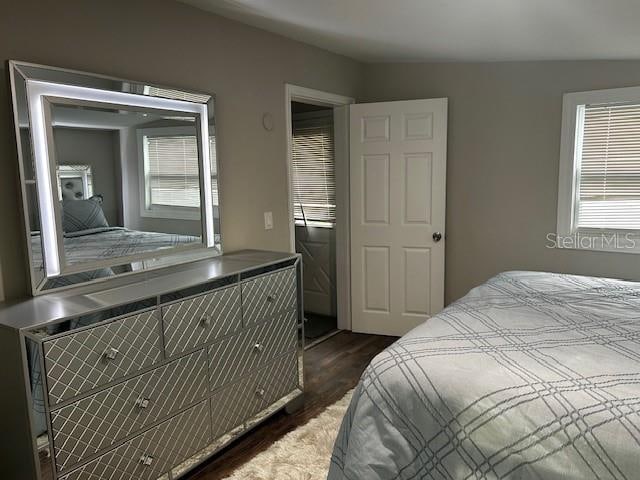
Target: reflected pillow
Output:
{"points": [[83, 214]]}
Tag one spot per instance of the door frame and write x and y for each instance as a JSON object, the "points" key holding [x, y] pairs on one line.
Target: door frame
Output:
{"points": [[295, 93]]}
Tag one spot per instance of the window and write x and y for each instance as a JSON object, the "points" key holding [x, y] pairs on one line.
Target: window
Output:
{"points": [[171, 172], [176, 94], [314, 183], [599, 197], [609, 182]]}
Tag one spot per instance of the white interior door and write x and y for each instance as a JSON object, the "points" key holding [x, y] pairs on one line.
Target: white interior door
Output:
{"points": [[397, 185]]}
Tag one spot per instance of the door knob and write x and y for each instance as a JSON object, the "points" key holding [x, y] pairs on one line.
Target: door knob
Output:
{"points": [[205, 321], [437, 236], [110, 354], [142, 403]]}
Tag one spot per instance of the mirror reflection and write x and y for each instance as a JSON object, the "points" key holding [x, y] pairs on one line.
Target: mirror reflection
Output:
{"points": [[158, 207], [115, 175]]}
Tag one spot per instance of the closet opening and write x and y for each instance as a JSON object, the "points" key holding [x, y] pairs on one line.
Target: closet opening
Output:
{"points": [[314, 211], [318, 177]]}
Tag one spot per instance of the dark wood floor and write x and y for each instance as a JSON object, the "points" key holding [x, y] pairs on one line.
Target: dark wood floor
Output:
{"points": [[331, 369]]}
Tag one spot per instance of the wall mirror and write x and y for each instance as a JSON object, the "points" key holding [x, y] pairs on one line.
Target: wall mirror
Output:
{"points": [[117, 177]]}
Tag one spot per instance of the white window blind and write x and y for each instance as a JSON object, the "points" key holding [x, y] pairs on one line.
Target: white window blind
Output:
{"points": [[314, 183], [609, 167], [172, 170], [176, 94]]}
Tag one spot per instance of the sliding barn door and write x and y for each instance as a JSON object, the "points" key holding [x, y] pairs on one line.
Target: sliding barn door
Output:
{"points": [[397, 177]]}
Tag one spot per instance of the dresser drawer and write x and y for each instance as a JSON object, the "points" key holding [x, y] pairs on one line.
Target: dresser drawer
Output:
{"points": [[267, 295], [199, 320], [242, 353], [234, 404], [153, 452], [95, 423], [81, 361]]}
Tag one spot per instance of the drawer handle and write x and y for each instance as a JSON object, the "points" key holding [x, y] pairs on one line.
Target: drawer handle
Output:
{"points": [[110, 354], [205, 321], [260, 393], [258, 348], [146, 460], [142, 402], [271, 298]]}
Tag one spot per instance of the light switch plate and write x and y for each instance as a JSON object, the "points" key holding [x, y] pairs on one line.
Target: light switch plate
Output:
{"points": [[268, 220]]}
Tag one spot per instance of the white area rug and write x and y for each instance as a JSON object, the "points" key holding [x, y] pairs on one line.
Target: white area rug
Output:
{"points": [[303, 454]]}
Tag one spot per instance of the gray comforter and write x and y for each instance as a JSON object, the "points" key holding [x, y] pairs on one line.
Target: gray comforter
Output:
{"points": [[529, 376], [111, 242]]}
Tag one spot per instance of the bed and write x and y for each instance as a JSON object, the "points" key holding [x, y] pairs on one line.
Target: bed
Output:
{"points": [[111, 242], [530, 376]]}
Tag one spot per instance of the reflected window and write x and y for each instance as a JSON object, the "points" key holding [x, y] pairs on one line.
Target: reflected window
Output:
{"points": [[176, 94], [171, 182]]}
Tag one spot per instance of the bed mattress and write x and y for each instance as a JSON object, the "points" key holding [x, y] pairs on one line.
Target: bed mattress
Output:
{"points": [[530, 376], [111, 242]]}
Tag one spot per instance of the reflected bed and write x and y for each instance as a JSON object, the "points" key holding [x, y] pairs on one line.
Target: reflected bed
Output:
{"points": [[112, 242]]}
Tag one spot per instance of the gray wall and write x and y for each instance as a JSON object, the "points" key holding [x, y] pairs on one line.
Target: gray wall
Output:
{"points": [[504, 127], [98, 149], [245, 67], [503, 151]]}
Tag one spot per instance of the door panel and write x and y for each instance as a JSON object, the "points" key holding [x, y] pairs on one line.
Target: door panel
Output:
{"points": [[318, 248], [375, 173], [417, 281], [376, 274], [397, 185], [417, 188]]}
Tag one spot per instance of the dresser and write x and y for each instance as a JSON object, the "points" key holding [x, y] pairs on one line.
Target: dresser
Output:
{"points": [[150, 377]]}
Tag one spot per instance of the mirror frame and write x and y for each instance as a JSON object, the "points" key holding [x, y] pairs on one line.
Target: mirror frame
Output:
{"points": [[45, 89]]}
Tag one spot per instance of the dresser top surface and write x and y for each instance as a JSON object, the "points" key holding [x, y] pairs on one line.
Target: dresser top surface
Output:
{"points": [[35, 312]]}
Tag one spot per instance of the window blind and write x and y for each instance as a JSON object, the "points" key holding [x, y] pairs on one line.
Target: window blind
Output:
{"points": [[176, 94], [314, 182], [172, 167], [609, 171]]}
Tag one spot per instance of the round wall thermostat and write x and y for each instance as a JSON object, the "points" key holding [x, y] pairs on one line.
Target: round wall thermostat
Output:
{"points": [[267, 121]]}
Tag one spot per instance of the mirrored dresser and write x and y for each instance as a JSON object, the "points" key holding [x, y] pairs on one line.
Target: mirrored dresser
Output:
{"points": [[149, 377], [144, 349]]}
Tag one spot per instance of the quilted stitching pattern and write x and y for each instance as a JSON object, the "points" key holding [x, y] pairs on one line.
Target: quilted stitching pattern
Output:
{"points": [[75, 363], [98, 422], [268, 295], [182, 321], [236, 356], [168, 444], [232, 405]]}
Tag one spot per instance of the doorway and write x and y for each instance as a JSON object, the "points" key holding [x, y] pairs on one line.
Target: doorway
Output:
{"points": [[317, 131], [314, 203]]}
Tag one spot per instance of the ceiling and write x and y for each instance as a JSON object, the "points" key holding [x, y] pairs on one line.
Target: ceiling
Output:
{"points": [[449, 30]]}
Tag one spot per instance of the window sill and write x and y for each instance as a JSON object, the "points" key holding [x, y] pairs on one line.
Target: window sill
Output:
{"points": [[613, 241], [301, 223], [171, 213]]}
